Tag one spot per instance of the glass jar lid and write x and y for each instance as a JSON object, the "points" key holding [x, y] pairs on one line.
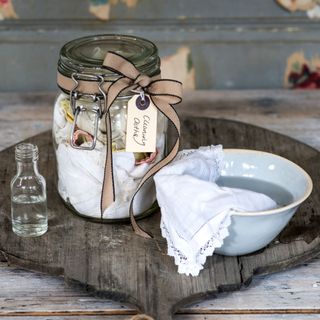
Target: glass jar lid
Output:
{"points": [[86, 55]]}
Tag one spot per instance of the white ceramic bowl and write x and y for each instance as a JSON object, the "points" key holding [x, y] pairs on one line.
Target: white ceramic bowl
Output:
{"points": [[279, 178]]}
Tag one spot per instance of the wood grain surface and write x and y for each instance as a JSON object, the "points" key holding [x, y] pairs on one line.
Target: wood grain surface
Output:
{"points": [[112, 260], [254, 115], [293, 113]]}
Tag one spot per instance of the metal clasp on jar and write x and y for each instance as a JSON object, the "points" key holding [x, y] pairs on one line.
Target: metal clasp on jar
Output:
{"points": [[96, 109]]}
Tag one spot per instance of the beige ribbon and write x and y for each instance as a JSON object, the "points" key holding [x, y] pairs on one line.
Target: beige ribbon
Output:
{"points": [[163, 93]]}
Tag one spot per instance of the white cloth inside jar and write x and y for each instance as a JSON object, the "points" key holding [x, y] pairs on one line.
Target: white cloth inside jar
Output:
{"points": [[81, 177], [80, 172]]}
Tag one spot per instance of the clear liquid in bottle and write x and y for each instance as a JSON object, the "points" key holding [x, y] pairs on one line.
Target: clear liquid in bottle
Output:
{"points": [[28, 194], [29, 215]]}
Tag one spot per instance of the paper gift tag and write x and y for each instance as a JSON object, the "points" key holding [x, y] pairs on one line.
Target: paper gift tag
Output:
{"points": [[141, 125]]}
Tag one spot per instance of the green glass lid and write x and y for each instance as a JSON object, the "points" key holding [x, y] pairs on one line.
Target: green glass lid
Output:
{"points": [[86, 55]]}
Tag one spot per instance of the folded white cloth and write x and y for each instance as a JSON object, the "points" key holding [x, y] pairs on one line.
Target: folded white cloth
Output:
{"points": [[81, 177], [81, 172], [196, 212]]}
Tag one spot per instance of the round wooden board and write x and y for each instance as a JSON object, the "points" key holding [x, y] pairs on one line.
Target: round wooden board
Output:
{"points": [[111, 259]]}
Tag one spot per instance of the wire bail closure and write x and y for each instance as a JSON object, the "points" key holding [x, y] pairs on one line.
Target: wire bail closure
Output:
{"points": [[97, 110], [163, 93]]}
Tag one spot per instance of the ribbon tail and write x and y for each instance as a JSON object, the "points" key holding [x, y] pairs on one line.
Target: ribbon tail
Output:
{"points": [[136, 228], [108, 190], [163, 93], [171, 114]]}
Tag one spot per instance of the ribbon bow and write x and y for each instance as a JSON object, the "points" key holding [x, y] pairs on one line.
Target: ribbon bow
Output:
{"points": [[164, 94]]}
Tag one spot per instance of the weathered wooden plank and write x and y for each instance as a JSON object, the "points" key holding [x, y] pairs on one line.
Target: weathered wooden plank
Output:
{"points": [[65, 317], [24, 115], [24, 291], [88, 314], [179, 317], [251, 317], [28, 291], [147, 266], [298, 288], [299, 105], [294, 113]]}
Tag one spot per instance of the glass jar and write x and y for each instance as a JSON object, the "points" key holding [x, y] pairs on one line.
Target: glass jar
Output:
{"points": [[80, 147]]}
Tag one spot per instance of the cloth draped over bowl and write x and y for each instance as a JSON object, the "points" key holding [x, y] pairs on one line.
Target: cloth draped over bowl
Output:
{"points": [[196, 212]]}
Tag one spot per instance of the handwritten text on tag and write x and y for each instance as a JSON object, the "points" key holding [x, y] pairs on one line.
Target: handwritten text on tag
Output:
{"points": [[141, 125]]}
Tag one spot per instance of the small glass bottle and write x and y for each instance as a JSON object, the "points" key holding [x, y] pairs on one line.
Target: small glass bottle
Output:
{"points": [[28, 194]]}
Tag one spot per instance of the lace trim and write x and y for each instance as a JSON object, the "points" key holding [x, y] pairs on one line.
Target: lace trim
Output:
{"points": [[193, 263], [172, 250], [218, 156], [185, 264], [216, 241]]}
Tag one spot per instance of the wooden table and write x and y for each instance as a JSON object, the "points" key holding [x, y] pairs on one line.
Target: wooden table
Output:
{"points": [[294, 294]]}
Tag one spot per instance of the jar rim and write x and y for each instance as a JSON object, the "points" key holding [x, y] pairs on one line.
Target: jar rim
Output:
{"points": [[86, 54]]}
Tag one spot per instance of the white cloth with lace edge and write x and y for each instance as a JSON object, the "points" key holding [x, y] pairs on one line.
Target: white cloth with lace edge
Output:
{"points": [[196, 212]]}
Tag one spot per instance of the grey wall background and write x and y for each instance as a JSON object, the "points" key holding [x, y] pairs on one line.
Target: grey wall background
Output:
{"points": [[234, 44]]}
